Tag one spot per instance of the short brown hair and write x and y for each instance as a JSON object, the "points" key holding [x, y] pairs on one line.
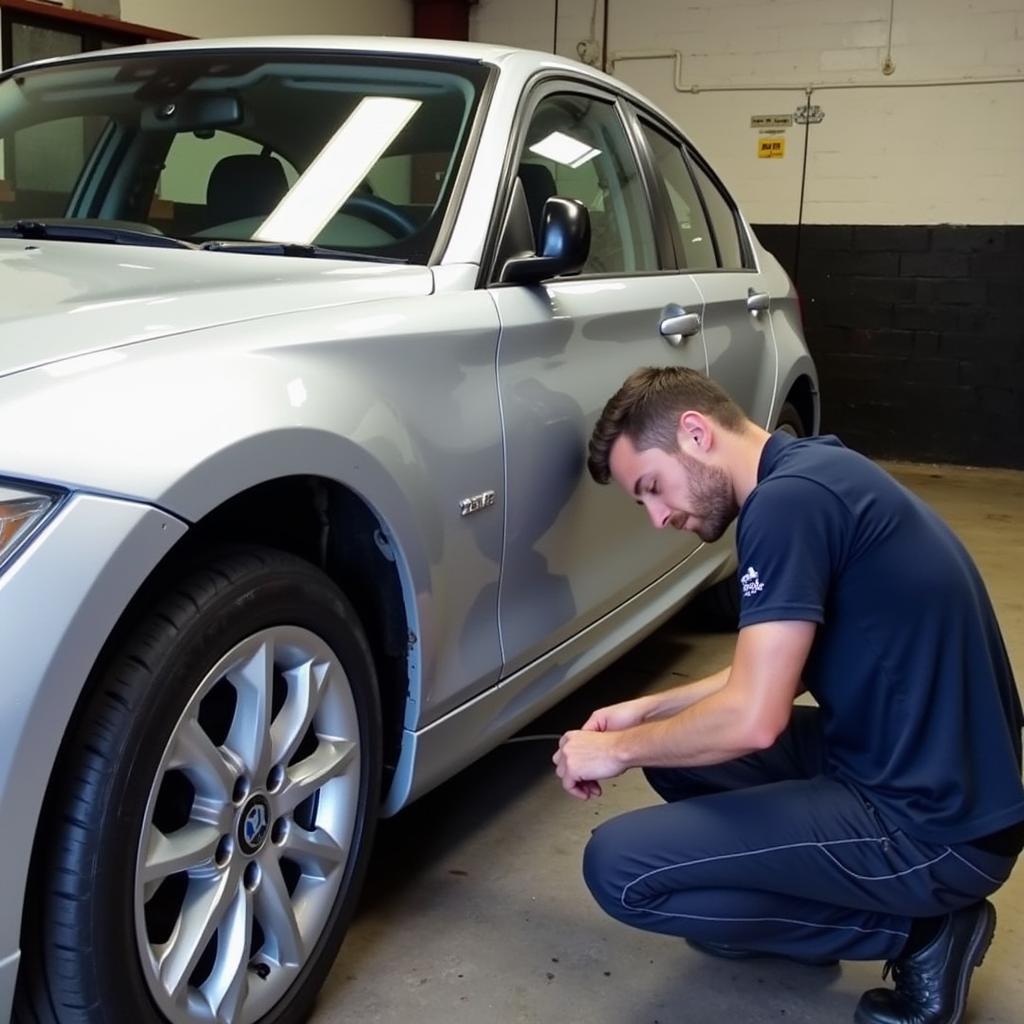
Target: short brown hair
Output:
{"points": [[647, 407]]}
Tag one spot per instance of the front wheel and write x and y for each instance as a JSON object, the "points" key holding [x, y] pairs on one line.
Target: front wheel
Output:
{"points": [[214, 813]]}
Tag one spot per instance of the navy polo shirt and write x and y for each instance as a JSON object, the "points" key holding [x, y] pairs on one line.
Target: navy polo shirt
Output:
{"points": [[919, 707]]}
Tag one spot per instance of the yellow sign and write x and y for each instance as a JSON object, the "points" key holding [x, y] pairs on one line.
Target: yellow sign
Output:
{"points": [[771, 148]]}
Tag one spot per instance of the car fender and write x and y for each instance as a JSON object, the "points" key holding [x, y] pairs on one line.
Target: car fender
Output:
{"points": [[793, 358], [395, 401]]}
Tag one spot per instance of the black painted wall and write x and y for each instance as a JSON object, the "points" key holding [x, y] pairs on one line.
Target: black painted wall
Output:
{"points": [[918, 335]]}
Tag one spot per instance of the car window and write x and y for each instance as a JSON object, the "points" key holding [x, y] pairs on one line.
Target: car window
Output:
{"points": [[273, 147], [576, 147], [723, 219], [41, 162], [698, 249]]}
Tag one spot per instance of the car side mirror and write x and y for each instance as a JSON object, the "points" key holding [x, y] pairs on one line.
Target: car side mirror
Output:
{"points": [[563, 246]]}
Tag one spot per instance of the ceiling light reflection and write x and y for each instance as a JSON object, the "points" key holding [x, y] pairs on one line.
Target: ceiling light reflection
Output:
{"points": [[340, 166]]}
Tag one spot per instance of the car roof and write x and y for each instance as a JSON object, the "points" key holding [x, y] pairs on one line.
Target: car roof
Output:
{"points": [[399, 45]]}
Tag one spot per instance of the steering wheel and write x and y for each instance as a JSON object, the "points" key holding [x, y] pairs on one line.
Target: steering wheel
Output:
{"points": [[390, 218]]}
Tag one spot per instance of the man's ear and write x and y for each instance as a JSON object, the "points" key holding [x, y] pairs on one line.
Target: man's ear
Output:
{"points": [[695, 433]]}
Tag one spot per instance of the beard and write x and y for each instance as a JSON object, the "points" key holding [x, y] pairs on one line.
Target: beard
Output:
{"points": [[714, 503]]}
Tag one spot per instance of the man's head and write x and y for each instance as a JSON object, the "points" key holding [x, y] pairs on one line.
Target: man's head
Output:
{"points": [[657, 439]]}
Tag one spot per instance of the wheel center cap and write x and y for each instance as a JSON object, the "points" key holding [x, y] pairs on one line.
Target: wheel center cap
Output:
{"points": [[254, 825]]}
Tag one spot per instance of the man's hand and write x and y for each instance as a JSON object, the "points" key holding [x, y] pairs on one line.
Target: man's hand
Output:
{"points": [[584, 757], [619, 716]]}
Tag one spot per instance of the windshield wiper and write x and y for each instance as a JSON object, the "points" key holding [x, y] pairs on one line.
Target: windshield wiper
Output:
{"points": [[70, 232], [297, 249]]}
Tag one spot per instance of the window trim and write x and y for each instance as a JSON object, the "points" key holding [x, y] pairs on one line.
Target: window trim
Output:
{"points": [[537, 89], [670, 213], [654, 186], [469, 153], [693, 158], [703, 200], [691, 155]]}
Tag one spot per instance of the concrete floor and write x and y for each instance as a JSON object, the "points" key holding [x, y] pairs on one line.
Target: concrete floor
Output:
{"points": [[475, 910]]}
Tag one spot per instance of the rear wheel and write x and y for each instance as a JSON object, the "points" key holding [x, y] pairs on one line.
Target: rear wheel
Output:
{"points": [[214, 814], [790, 421], [719, 605]]}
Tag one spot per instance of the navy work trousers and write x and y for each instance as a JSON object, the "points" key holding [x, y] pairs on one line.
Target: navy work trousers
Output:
{"points": [[766, 853]]}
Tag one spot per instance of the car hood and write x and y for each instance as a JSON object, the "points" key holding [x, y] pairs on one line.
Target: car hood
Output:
{"points": [[63, 299]]}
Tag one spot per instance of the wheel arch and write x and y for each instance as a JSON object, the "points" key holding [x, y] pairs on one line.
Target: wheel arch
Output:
{"points": [[800, 389], [803, 396], [332, 526]]}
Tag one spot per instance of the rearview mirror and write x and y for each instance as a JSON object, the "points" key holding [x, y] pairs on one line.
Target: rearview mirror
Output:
{"points": [[193, 113], [563, 246]]}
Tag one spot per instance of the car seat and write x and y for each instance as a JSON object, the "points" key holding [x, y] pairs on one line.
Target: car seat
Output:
{"points": [[244, 185]]}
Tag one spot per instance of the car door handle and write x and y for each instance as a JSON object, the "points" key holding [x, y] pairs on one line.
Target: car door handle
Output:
{"points": [[681, 325], [757, 301]]}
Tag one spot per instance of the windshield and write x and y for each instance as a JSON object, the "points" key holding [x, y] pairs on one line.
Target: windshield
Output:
{"points": [[340, 151]]}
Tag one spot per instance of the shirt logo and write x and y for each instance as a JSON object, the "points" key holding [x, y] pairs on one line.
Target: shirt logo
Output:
{"points": [[751, 584]]}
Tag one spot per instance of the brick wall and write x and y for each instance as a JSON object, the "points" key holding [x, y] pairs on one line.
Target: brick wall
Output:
{"points": [[918, 334]]}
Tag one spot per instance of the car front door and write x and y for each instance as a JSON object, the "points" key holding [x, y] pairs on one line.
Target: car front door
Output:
{"points": [[573, 550]]}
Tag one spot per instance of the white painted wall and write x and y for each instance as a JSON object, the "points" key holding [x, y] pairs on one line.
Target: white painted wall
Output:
{"points": [[526, 23], [950, 153], [272, 17], [531, 24]]}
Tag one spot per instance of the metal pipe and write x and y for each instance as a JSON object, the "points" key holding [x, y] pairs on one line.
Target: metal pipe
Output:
{"points": [[604, 37], [888, 67], [807, 88]]}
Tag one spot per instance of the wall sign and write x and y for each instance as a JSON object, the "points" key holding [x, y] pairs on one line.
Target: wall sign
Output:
{"points": [[771, 148], [771, 121]]}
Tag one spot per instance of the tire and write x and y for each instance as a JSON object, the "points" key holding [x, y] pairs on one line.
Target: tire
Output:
{"points": [[790, 421], [248, 890], [718, 607]]}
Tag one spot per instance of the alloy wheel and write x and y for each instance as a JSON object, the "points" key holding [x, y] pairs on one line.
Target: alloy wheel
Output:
{"points": [[248, 829]]}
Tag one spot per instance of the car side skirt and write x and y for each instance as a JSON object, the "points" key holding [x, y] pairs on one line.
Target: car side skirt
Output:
{"points": [[431, 755]]}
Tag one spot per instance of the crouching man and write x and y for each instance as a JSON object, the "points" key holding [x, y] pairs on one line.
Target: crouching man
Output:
{"points": [[872, 827]]}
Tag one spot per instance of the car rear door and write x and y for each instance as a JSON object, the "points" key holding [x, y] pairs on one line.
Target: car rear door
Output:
{"points": [[712, 245], [574, 550]]}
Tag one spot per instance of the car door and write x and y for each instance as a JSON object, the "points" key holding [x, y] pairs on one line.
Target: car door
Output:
{"points": [[574, 550], [712, 246]]}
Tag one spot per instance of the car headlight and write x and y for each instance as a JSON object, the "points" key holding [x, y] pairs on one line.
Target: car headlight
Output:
{"points": [[22, 513]]}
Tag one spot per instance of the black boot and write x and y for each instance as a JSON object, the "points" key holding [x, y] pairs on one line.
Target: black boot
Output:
{"points": [[931, 984], [724, 952]]}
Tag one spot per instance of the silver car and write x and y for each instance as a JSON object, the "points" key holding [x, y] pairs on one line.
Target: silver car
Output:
{"points": [[302, 343]]}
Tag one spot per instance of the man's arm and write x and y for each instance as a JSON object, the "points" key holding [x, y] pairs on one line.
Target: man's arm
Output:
{"points": [[654, 706], [746, 714]]}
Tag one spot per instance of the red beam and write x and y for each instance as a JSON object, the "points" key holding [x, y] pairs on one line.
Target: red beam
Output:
{"points": [[441, 19], [65, 16]]}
